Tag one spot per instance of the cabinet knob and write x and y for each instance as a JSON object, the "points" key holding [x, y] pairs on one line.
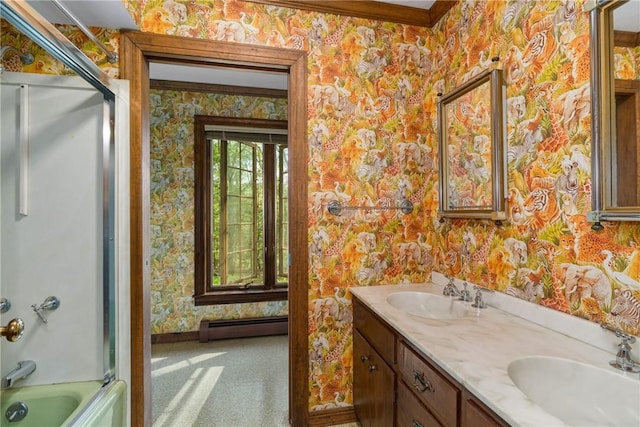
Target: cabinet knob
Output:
{"points": [[364, 358], [373, 368], [415, 423], [420, 383]]}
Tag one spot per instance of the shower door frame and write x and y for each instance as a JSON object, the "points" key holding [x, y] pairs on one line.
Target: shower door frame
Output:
{"points": [[32, 24]]}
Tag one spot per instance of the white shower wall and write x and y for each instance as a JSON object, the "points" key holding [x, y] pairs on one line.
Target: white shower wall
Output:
{"points": [[55, 250]]}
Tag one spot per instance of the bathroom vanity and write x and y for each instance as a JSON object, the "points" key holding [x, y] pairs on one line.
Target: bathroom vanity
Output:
{"points": [[387, 365], [464, 366]]}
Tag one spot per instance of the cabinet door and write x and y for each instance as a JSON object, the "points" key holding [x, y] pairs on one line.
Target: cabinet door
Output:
{"points": [[411, 413], [373, 385], [475, 414]]}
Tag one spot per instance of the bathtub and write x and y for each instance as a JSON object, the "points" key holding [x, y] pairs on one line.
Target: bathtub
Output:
{"points": [[76, 404]]}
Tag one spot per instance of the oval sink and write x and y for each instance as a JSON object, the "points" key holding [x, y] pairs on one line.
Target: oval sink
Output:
{"points": [[427, 305], [577, 393]]}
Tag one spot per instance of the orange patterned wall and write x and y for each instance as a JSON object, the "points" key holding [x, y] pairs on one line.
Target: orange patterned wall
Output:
{"points": [[546, 252], [372, 139], [172, 206]]}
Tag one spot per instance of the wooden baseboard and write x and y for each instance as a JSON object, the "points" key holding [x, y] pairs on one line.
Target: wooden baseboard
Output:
{"points": [[242, 328], [332, 417], [174, 337]]}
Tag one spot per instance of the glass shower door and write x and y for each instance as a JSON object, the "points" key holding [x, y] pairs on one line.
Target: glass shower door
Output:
{"points": [[51, 216]]}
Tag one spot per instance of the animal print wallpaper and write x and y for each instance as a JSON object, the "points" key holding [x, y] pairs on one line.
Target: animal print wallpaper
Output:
{"points": [[43, 63], [172, 206], [626, 62], [373, 141]]}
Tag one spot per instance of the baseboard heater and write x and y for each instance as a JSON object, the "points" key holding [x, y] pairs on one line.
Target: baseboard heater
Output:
{"points": [[242, 328]]}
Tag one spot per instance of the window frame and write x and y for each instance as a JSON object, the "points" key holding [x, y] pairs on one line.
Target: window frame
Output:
{"points": [[202, 226]]}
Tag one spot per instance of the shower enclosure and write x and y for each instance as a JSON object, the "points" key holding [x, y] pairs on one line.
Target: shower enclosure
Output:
{"points": [[63, 215]]}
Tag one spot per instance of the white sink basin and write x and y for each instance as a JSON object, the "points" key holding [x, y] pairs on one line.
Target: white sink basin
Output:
{"points": [[578, 394], [427, 305]]}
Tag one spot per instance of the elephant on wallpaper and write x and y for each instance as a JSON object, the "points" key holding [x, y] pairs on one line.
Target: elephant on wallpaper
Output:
{"points": [[584, 281]]}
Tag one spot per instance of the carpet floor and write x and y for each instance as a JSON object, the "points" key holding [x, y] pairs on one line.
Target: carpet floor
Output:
{"points": [[227, 383]]}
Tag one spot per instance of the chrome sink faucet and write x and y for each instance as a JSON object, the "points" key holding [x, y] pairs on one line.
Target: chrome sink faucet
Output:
{"points": [[478, 301], [451, 290], [623, 361], [24, 369]]}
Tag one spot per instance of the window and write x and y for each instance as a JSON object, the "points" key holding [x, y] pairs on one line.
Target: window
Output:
{"points": [[241, 210]]}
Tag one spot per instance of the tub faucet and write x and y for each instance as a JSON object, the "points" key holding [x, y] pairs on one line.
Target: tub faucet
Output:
{"points": [[24, 369]]}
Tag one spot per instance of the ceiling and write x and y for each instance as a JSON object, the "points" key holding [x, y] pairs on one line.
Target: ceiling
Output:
{"points": [[113, 14]]}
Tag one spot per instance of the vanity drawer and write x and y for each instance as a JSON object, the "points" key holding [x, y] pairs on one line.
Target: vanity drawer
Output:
{"points": [[377, 333], [431, 388], [411, 413]]}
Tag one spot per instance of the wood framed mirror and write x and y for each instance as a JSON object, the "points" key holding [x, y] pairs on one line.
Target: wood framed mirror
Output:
{"points": [[471, 149], [615, 102]]}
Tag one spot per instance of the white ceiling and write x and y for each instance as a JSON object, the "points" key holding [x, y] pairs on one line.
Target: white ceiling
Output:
{"points": [[218, 75], [420, 4], [113, 14], [92, 13], [627, 17]]}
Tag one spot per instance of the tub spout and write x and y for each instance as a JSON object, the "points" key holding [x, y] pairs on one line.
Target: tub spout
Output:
{"points": [[24, 369]]}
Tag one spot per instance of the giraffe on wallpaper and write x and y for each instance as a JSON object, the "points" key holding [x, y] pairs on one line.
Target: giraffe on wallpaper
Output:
{"points": [[364, 70]]}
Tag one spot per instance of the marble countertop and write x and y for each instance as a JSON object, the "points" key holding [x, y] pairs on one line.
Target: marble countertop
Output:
{"points": [[477, 348]]}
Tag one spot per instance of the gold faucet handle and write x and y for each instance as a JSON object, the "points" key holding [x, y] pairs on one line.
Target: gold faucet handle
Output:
{"points": [[13, 331]]}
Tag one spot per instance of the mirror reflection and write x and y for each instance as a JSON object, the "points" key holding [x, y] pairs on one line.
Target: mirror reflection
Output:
{"points": [[615, 102], [625, 150]]}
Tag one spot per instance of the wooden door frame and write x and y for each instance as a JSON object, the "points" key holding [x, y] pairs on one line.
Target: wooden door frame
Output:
{"points": [[137, 50]]}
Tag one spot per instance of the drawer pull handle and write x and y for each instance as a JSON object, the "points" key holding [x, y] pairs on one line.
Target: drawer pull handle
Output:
{"points": [[415, 423], [420, 383], [373, 368], [364, 358]]}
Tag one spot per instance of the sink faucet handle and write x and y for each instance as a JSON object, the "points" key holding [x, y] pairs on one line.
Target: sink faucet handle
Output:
{"points": [[623, 361], [478, 301], [620, 334], [465, 295]]}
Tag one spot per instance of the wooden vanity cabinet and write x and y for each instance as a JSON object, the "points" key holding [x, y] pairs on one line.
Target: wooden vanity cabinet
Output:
{"points": [[412, 413], [385, 366], [430, 387], [374, 376], [373, 385], [475, 414]]}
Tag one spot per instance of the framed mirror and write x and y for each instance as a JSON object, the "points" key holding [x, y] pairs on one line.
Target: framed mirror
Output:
{"points": [[615, 101], [471, 146]]}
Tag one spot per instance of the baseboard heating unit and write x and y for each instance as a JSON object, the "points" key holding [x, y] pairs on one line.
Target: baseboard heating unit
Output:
{"points": [[242, 328]]}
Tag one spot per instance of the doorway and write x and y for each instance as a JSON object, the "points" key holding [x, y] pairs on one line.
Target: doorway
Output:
{"points": [[138, 49]]}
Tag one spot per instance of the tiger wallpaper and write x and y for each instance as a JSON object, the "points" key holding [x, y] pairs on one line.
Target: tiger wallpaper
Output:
{"points": [[372, 99]]}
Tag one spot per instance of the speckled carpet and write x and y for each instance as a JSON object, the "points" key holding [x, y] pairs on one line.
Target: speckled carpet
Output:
{"points": [[227, 383]]}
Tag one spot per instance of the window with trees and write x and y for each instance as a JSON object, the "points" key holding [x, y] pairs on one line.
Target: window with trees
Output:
{"points": [[241, 210]]}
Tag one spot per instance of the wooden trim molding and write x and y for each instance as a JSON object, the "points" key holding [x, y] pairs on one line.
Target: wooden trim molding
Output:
{"points": [[626, 39], [138, 49], [371, 10], [333, 416], [175, 337], [220, 89]]}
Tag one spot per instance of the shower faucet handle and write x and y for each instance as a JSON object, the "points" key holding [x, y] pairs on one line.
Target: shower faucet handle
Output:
{"points": [[13, 331], [5, 305], [51, 303]]}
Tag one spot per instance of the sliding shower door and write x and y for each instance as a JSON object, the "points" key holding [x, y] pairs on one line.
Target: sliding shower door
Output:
{"points": [[51, 236]]}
